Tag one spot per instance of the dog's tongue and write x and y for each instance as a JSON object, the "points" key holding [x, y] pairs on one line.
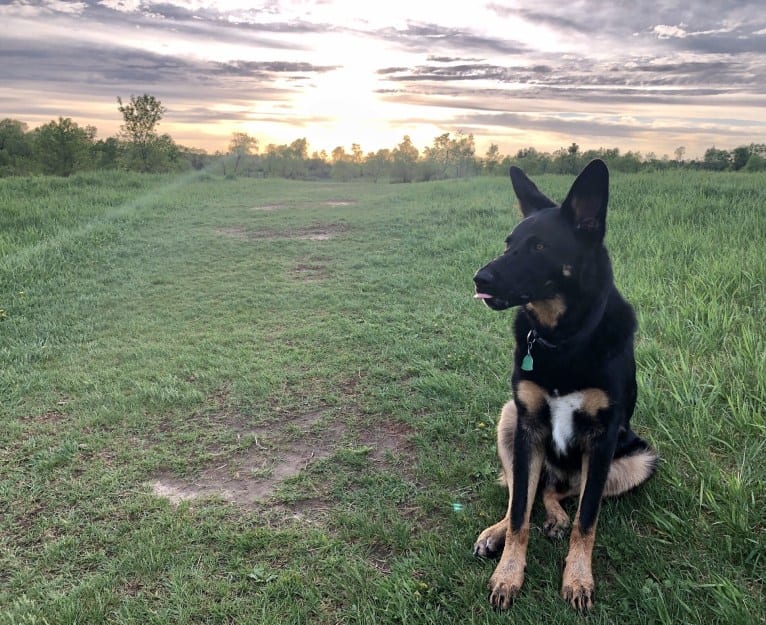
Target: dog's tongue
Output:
{"points": [[482, 296]]}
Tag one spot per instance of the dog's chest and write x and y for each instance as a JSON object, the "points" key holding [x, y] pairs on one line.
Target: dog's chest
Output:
{"points": [[562, 409]]}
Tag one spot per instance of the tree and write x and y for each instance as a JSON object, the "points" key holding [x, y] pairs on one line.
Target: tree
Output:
{"points": [[567, 160], [440, 155], [105, 153], [492, 159], [299, 149], [532, 161], [61, 147], [357, 158], [342, 168], [287, 161], [573, 151], [630, 162], [717, 160], [15, 148], [465, 147], [241, 146], [756, 162], [740, 156], [196, 157], [679, 153], [346, 166], [448, 158], [378, 164], [405, 158], [142, 116]]}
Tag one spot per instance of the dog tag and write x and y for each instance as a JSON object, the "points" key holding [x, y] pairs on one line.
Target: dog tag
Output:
{"points": [[527, 363]]}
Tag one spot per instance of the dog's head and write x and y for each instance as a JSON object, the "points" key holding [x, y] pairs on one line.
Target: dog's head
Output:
{"points": [[543, 253]]}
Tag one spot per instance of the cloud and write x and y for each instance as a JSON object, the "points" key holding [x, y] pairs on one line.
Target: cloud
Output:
{"points": [[464, 72], [425, 38], [99, 65], [643, 76], [726, 37], [664, 31], [27, 8], [571, 24], [260, 68], [450, 59]]}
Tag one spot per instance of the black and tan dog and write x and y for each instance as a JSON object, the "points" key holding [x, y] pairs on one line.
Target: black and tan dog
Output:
{"points": [[574, 381]]}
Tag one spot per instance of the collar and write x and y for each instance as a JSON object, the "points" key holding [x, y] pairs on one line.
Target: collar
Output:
{"points": [[590, 323]]}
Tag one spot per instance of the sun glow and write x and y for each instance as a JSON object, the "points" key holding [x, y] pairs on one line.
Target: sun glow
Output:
{"points": [[340, 106]]}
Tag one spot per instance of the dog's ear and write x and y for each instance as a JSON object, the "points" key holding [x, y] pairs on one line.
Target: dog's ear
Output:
{"points": [[585, 206], [530, 197]]}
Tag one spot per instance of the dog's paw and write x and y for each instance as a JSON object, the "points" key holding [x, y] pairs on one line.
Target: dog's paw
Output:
{"points": [[502, 594], [490, 542], [487, 546], [556, 527], [505, 583], [579, 593]]}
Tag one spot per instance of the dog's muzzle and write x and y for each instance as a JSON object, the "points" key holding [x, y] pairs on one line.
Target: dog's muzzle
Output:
{"points": [[485, 284]]}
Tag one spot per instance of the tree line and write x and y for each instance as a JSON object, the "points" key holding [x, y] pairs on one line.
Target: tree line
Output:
{"points": [[62, 147]]}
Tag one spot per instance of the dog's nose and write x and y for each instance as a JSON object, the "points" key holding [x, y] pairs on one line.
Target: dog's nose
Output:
{"points": [[483, 279]]}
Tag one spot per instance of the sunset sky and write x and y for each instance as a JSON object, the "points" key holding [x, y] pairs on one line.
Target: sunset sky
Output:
{"points": [[648, 76]]}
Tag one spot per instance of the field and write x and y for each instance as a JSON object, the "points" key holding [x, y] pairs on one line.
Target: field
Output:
{"points": [[272, 402]]}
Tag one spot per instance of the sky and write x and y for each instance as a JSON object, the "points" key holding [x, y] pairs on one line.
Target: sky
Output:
{"points": [[646, 76]]}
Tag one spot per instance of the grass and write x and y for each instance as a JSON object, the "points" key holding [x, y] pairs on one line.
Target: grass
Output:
{"points": [[321, 340]]}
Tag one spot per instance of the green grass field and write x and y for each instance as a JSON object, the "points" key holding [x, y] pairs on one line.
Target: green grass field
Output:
{"points": [[256, 401]]}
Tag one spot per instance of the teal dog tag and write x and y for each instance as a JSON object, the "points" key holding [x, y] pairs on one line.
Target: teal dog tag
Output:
{"points": [[527, 364]]}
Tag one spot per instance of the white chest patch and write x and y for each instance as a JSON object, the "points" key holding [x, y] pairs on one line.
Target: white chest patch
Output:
{"points": [[562, 423]]}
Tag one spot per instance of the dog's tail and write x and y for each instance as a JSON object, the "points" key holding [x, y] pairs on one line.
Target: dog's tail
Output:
{"points": [[634, 463]]}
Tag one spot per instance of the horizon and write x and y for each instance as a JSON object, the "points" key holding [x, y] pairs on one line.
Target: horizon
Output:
{"points": [[537, 75]]}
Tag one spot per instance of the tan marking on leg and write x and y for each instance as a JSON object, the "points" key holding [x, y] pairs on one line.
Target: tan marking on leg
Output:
{"points": [[629, 471], [505, 583], [547, 311], [594, 399], [506, 426], [577, 585], [531, 395], [557, 520], [506, 432], [492, 539]]}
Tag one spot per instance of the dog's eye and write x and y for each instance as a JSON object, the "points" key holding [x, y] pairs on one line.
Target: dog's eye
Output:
{"points": [[539, 246]]}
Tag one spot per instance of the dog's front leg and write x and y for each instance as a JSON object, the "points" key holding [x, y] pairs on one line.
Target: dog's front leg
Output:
{"points": [[577, 586], [506, 581]]}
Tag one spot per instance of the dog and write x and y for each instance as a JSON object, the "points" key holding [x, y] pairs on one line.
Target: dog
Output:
{"points": [[567, 428]]}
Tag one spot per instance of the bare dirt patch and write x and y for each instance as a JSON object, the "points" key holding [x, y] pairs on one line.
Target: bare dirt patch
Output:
{"points": [[306, 272], [246, 480], [387, 440], [281, 448], [308, 233], [235, 232], [270, 207], [331, 202], [277, 452], [47, 417]]}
